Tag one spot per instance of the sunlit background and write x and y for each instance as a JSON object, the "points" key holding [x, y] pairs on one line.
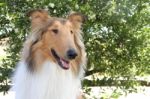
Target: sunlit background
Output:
{"points": [[116, 37]]}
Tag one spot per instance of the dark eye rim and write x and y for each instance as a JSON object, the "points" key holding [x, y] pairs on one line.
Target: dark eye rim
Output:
{"points": [[55, 31], [71, 32]]}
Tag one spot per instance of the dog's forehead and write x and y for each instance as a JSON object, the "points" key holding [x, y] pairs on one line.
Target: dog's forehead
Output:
{"points": [[61, 22]]}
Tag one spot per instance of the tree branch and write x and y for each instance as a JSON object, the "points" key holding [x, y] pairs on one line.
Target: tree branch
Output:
{"points": [[88, 73]]}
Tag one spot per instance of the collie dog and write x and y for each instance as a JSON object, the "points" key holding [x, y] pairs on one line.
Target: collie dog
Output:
{"points": [[52, 59]]}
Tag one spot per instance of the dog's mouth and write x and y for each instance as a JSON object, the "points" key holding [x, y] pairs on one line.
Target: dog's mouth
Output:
{"points": [[61, 61]]}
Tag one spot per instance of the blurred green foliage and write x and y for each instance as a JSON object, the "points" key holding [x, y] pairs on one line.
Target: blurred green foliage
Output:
{"points": [[117, 37]]}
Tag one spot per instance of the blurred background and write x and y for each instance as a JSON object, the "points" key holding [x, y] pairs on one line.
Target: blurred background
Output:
{"points": [[116, 36]]}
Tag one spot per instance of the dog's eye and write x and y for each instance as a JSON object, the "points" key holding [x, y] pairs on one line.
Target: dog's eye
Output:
{"points": [[55, 31], [71, 32]]}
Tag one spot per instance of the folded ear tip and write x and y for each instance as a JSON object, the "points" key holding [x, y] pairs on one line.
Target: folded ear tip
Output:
{"points": [[29, 13], [83, 17]]}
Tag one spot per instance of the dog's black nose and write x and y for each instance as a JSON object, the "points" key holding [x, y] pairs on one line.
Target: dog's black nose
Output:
{"points": [[71, 54]]}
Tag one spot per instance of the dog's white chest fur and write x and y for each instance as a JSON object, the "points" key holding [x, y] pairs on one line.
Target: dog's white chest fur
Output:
{"points": [[52, 82]]}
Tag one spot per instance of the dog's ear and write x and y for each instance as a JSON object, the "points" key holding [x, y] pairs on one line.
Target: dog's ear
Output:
{"points": [[38, 17], [77, 19]]}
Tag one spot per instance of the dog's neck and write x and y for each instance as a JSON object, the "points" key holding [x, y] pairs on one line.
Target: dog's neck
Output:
{"points": [[51, 82]]}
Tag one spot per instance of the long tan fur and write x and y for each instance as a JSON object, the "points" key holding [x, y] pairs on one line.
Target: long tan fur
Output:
{"points": [[36, 47]]}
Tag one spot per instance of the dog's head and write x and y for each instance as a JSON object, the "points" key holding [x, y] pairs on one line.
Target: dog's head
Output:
{"points": [[55, 39]]}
